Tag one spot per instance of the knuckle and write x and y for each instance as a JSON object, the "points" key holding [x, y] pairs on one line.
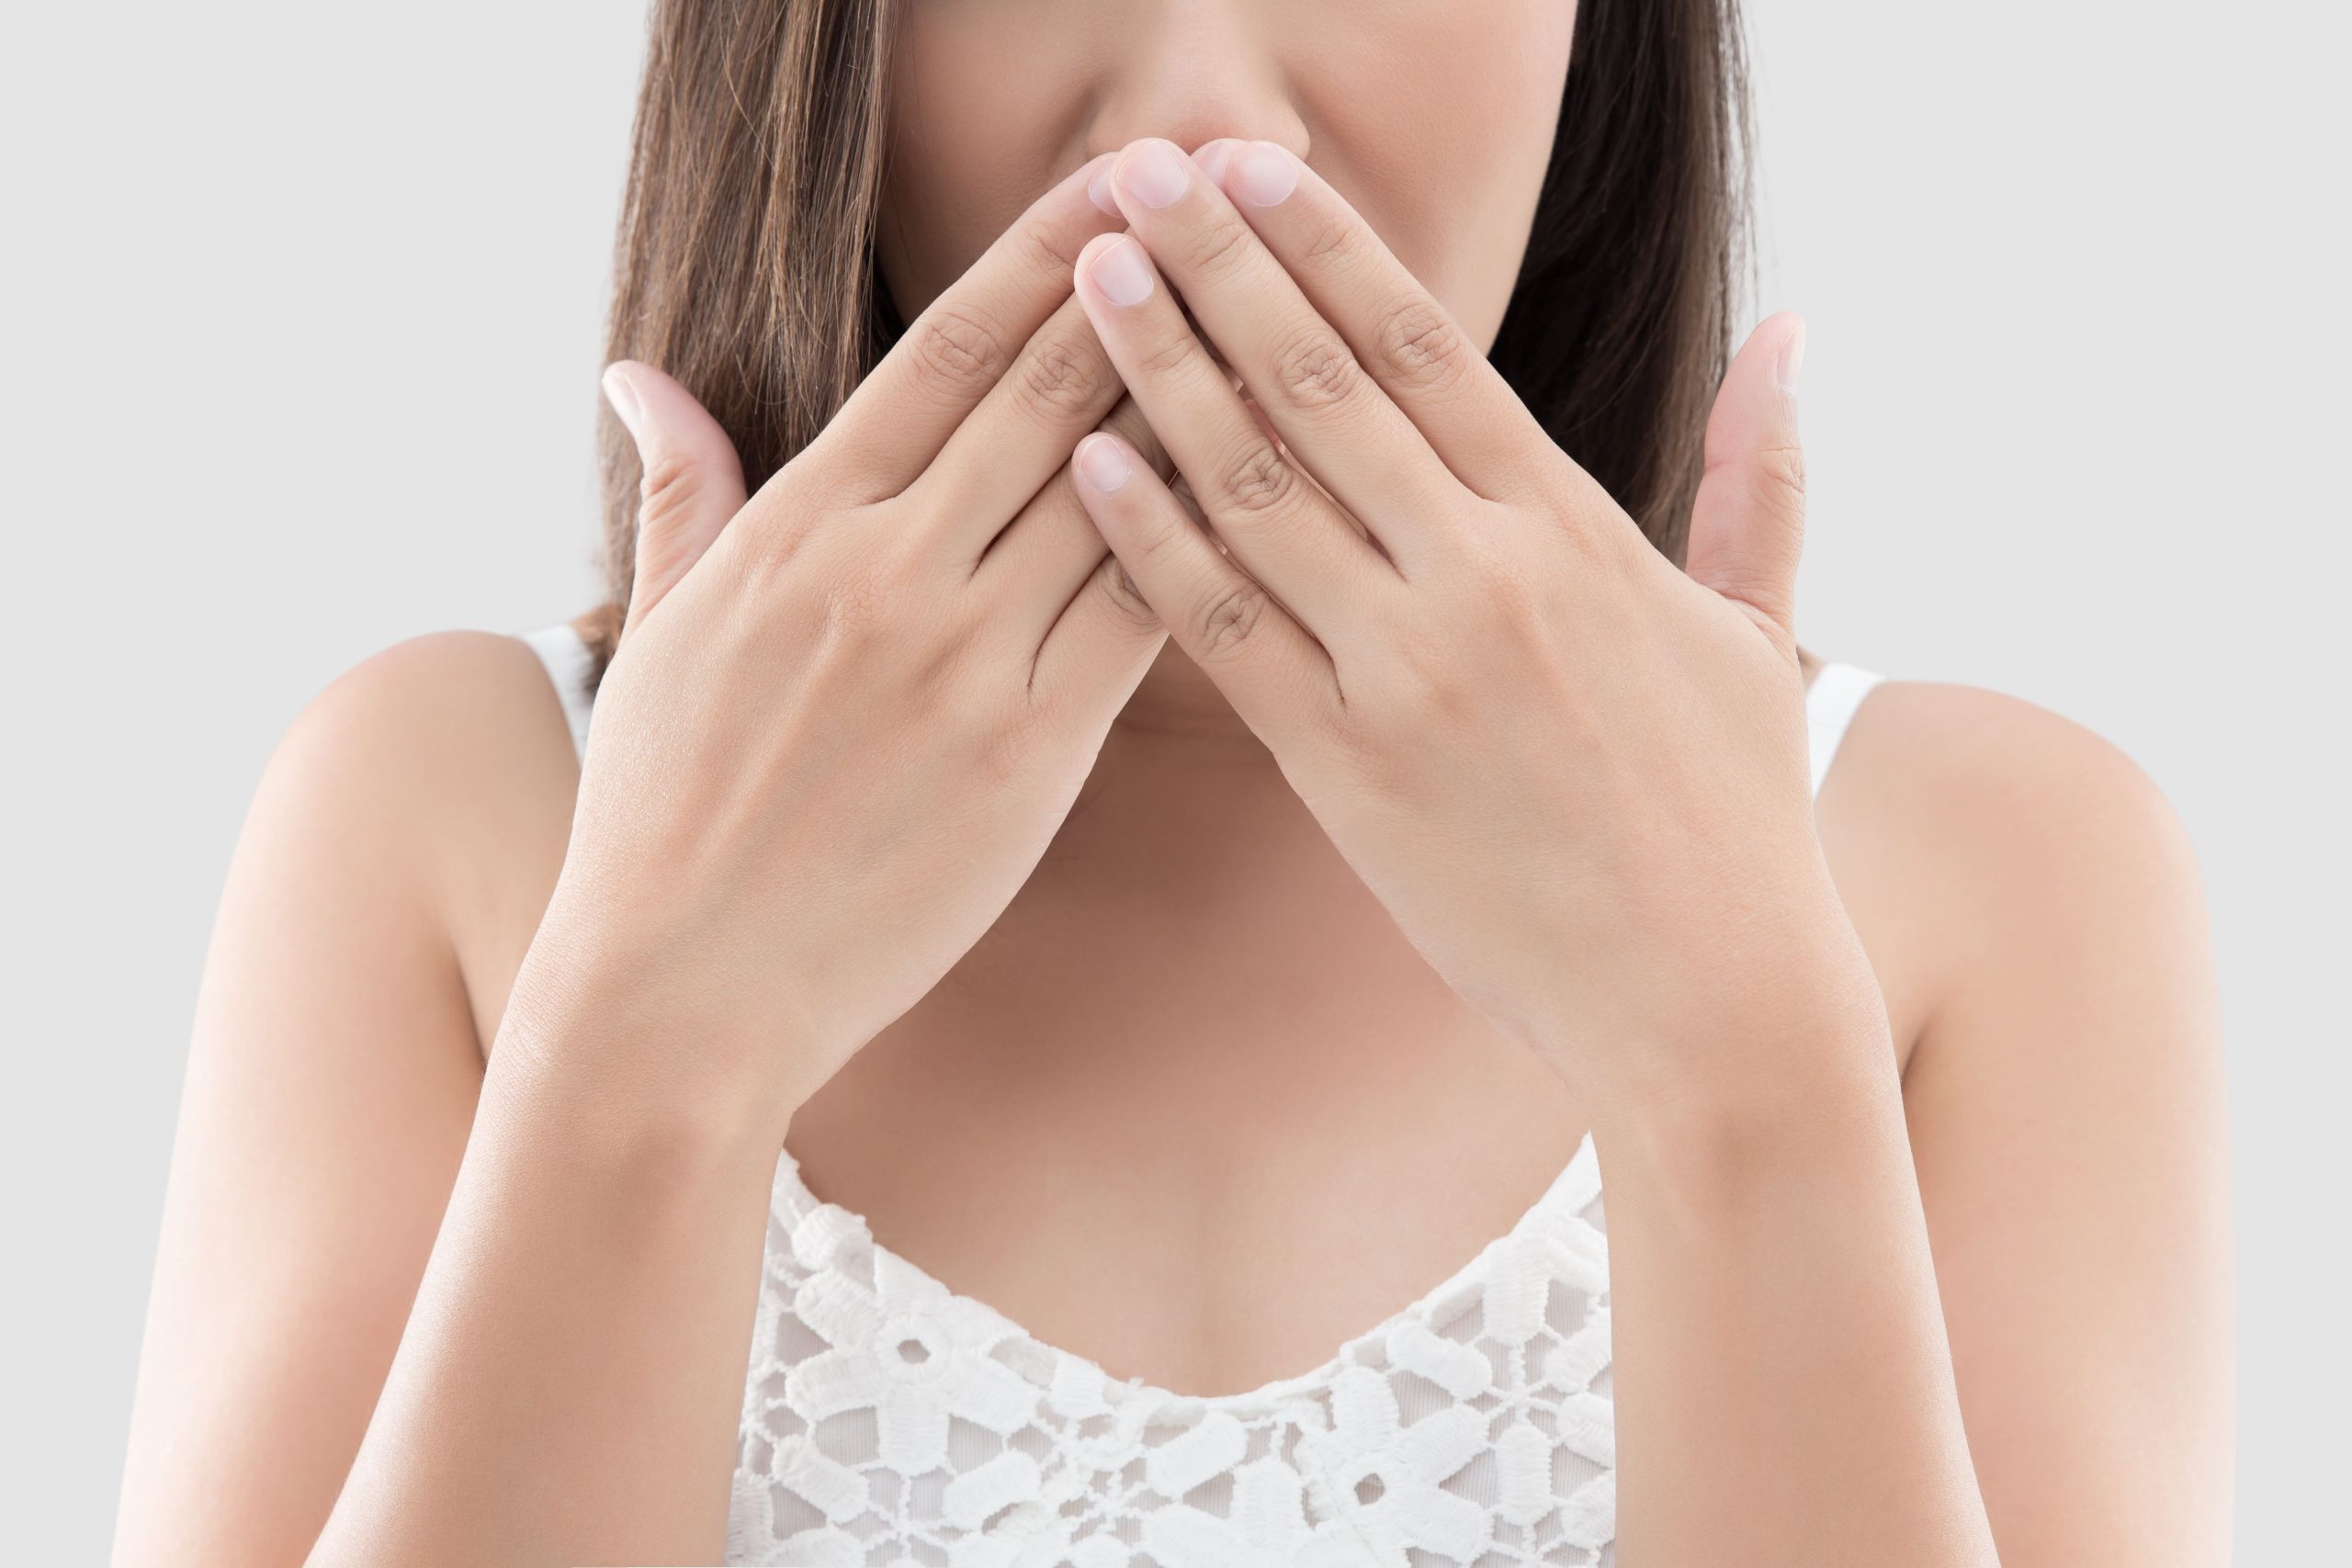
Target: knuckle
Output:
{"points": [[1423, 690], [1217, 247], [822, 472], [1333, 242], [1229, 619], [1505, 590], [1063, 378], [759, 557], [1038, 244], [1420, 347], [997, 745], [1780, 473], [1160, 530], [1170, 355], [1418, 700], [1362, 745], [670, 488], [1256, 482], [1314, 370], [798, 494], [958, 351], [1118, 589]]}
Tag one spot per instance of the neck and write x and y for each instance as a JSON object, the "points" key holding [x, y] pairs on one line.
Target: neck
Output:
{"points": [[1190, 903], [1191, 952]]}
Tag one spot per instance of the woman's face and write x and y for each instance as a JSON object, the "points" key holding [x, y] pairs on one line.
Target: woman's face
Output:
{"points": [[1434, 117]]}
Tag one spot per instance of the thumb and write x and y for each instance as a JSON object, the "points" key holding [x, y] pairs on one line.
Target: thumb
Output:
{"points": [[1748, 522], [692, 480]]}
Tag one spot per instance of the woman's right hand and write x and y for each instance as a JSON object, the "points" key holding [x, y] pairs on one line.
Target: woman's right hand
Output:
{"points": [[846, 717]]}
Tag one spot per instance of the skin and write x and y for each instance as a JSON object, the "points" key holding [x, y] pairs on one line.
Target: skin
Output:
{"points": [[1909, 1103]]}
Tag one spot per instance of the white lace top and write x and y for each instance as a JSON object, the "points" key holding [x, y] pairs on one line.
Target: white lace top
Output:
{"points": [[888, 1421]]}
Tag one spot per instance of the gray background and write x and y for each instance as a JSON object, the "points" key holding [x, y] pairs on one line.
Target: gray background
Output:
{"points": [[302, 313]]}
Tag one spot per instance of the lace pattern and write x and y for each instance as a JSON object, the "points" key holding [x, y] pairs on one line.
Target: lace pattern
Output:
{"points": [[888, 1421]]}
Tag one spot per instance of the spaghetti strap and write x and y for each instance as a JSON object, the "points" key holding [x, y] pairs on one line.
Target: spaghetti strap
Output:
{"points": [[566, 659], [1837, 690]]}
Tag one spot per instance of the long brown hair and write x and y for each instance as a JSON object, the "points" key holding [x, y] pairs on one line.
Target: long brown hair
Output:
{"points": [[745, 263]]}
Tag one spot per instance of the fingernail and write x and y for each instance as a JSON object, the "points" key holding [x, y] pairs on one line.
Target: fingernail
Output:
{"points": [[1265, 173], [623, 397], [1791, 360], [1155, 173], [1102, 464], [1212, 157], [1098, 184], [1120, 271]]}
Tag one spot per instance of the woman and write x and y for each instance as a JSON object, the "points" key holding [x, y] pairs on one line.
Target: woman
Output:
{"points": [[1202, 812]]}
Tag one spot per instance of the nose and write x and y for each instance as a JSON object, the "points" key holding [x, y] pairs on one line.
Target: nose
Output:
{"points": [[1194, 71]]}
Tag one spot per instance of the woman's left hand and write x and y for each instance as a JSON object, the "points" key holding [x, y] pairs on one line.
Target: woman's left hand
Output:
{"points": [[1577, 776]]}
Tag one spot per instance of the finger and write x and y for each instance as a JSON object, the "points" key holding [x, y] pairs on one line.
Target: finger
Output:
{"points": [[1052, 548], [1748, 521], [1099, 649], [1284, 530], [891, 428], [691, 483], [1019, 438], [1411, 344], [1277, 677], [1339, 421]]}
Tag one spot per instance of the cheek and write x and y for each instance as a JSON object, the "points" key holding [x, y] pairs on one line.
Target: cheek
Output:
{"points": [[973, 128], [1439, 126]]}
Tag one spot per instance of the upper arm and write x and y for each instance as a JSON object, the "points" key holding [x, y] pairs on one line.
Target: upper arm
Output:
{"points": [[2065, 1103], [329, 1087]]}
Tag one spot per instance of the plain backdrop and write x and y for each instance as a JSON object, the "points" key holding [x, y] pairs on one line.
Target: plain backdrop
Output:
{"points": [[304, 305]]}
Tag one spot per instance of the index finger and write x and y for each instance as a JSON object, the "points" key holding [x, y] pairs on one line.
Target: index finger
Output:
{"points": [[901, 416], [1398, 330]]}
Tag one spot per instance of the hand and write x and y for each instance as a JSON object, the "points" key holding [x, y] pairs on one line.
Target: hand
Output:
{"points": [[846, 716], [1576, 775]]}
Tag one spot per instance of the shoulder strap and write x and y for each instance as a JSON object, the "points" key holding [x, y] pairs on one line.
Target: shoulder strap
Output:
{"points": [[566, 659], [1829, 704]]}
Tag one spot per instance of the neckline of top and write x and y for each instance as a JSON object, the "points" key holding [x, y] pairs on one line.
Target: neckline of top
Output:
{"points": [[794, 1206], [1836, 691]]}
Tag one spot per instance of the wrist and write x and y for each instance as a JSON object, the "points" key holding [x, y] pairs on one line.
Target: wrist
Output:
{"points": [[1811, 1088], [628, 1173], [1723, 1015], [626, 1099], [632, 1047]]}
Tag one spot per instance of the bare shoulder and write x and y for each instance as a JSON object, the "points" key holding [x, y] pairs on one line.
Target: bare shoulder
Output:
{"points": [[1978, 836], [2011, 798], [2065, 1092], [379, 900], [439, 772], [393, 707], [1982, 757]]}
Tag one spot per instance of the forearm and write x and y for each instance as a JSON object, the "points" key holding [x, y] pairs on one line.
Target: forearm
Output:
{"points": [[570, 1379], [1784, 1385]]}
